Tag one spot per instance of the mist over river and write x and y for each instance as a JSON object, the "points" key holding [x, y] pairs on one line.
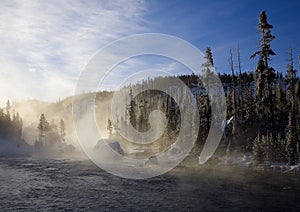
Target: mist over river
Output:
{"points": [[33, 184]]}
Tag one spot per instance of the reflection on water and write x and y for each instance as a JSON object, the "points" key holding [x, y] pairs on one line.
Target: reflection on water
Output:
{"points": [[47, 184]]}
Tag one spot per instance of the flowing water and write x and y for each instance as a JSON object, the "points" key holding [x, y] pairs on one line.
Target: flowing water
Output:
{"points": [[33, 184]]}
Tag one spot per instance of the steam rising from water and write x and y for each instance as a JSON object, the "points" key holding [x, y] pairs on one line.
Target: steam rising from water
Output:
{"points": [[100, 66]]}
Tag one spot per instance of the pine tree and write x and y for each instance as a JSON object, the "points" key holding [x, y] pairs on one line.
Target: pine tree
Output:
{"points": [[208, 65], [248, 106], [133, 114], [207, 80], [297, 101], [62, 130], [266, 37], [43, 127], [204, 115], [8, 110], [268, 147], [265, 149], [291, 81], [209, 62], [241, 86], [257, 150], [291, 145], [291, 137], [234, 106], [279, 109], [297, 108], [280, 153], [265, 74], [19, 126]]}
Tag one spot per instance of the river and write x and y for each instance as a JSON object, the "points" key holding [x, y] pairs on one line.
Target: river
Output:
{"points": [[35, 184]]}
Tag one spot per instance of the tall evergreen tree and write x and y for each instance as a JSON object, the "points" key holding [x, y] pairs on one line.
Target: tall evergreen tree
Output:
{"points": [[257, 150], [291, 82], [265, 74], [266, 37], [62, 130], [43, 127], [291, 99], [207, 80], [207, 67], [279, 113], [241, 86], [209, 62], [8, 110], [291, 143]]}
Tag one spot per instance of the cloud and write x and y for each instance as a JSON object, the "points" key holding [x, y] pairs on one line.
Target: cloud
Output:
{"points": [[45, 44]]}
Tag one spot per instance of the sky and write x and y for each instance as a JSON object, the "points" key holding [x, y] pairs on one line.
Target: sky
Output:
{"points": [[45, 45]]}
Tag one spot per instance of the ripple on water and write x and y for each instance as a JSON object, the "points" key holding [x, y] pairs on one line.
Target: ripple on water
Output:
{"points": [[44, 184]]}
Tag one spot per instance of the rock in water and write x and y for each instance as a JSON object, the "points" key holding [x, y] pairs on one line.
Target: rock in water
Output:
{"points": [[117, 147], [152, 160], [114, 145]]}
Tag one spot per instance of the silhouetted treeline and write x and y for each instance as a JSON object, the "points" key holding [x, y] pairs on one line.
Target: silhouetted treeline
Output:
{"points": [[263, 107], [10, 125], [49, 135]]}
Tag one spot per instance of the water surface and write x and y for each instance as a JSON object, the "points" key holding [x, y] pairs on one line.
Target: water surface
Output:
{"points": [[33, 184]]}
